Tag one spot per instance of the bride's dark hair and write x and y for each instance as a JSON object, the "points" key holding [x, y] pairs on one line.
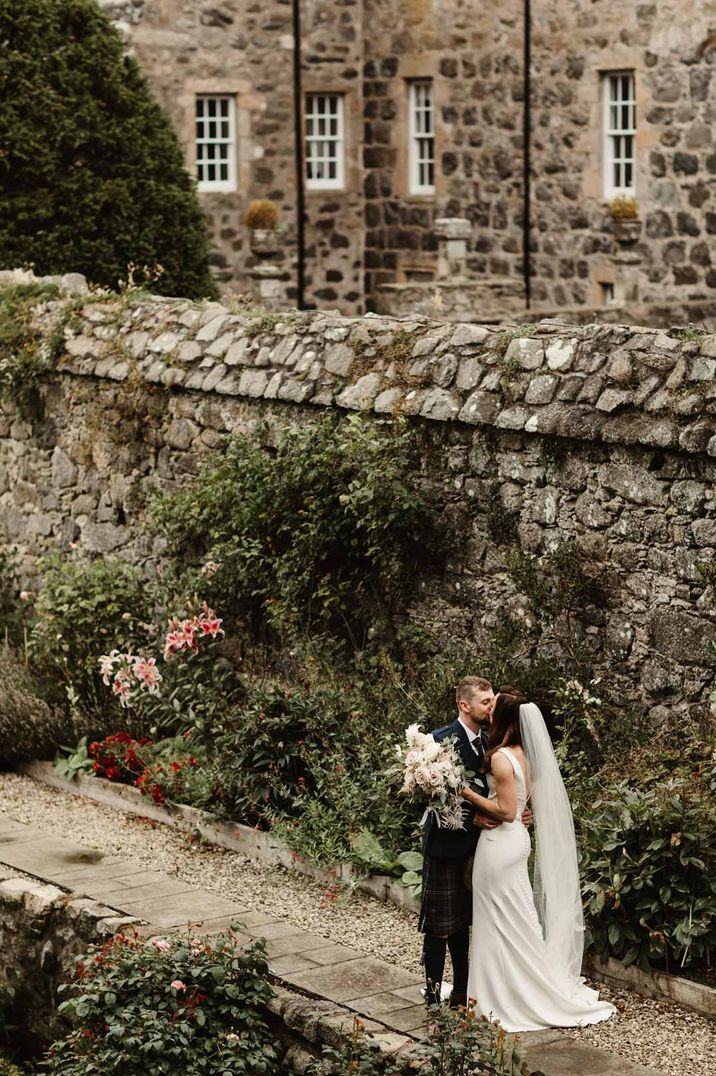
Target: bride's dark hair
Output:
{"points": [[505, 724]]}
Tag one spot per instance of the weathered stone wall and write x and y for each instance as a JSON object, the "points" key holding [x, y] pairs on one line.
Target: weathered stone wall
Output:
{"points": [[605, 434], [42, 929]]}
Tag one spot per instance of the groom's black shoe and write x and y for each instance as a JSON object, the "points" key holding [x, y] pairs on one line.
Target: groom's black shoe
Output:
{"points": [[434, 950], [458, 1001]]}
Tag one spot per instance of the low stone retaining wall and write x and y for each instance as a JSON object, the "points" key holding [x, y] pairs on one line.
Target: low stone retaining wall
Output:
{"points": [[654, 984], [42, 929], [266, 849]]}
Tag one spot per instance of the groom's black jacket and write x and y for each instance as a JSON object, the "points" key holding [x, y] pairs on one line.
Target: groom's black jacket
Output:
{"points": [[441, 843]]}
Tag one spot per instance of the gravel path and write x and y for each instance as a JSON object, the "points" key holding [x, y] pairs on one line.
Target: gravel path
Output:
{"points": [[666, 1037]]}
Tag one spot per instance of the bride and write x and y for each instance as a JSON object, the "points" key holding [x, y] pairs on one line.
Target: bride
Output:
{"points": [[526, 953]]}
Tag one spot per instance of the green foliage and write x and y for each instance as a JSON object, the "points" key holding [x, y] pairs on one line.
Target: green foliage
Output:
{"points": [[348, 808], [7, 1068], [92, 175], [82, 611], [197, 1006], [29, 727], [264, 746], [649, 872], [314, 538], [25, 359], [562, 580], [11, 607], [459, 1044], [70, 761]]}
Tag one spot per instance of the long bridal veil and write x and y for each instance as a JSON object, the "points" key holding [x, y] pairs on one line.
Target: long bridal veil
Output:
{"points": [[556, 877]]}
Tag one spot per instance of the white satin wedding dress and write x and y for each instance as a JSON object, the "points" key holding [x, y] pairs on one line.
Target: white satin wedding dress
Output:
{"points": [[513, 977]]}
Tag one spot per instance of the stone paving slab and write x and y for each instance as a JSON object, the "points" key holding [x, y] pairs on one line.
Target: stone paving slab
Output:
{"points": [[353, 979], [165, 887], [334, 954], [570, 1058], [309, 963], [380, 1005], [292, 945]]}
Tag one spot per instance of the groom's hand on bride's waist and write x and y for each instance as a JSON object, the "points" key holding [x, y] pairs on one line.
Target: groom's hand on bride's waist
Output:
{"points": [[484, 822], [526, 818]]}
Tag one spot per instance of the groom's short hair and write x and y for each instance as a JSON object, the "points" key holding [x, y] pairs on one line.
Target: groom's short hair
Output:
{"points": [[469, 685]]}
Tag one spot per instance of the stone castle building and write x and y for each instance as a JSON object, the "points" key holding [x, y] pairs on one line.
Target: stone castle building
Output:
{"points": [[422, 111]]}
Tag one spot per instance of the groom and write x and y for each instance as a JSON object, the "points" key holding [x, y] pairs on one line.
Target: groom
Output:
{"points": [[446, 906]]}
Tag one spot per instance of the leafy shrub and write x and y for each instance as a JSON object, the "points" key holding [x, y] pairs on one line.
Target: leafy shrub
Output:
{"points": [[26, 357], [351, 811], [29, 727], [82, 610], [184, 1004], [7, 1068], [11, 609], [105, 183], [459, 1044], [263, 747], [649, 869], [316, 537]]}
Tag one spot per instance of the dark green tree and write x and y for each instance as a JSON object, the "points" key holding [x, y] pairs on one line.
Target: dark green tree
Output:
{"points": [[91, 172]]}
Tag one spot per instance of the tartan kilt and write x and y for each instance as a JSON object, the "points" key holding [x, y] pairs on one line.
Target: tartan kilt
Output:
{"points": [[446, 903]]}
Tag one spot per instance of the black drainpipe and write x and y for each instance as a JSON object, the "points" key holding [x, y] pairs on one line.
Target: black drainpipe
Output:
{"points": [[298, 145], [527, 154]]}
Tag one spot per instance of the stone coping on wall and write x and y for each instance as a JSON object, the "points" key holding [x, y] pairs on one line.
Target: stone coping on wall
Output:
{"points": [[613, 383], [267, 849]]}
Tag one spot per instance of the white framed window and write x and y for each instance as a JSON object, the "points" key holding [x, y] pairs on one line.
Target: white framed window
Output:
{"points": [[619, 102], [216, 142], [325, 168], [421, 164]]}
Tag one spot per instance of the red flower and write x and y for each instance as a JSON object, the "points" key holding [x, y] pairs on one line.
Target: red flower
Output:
{"points": [[112, 773], [176, 766]]}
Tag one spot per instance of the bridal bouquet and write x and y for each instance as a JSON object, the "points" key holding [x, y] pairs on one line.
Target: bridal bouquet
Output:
{"points": [[434, 770]]}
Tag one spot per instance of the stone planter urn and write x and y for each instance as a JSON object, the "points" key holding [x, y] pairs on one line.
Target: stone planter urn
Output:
{"points": [[264, 242], [627, 230]]}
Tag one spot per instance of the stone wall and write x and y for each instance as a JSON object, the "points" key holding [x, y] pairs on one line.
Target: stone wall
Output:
{"points": [[42, 929], [605, 434]]}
